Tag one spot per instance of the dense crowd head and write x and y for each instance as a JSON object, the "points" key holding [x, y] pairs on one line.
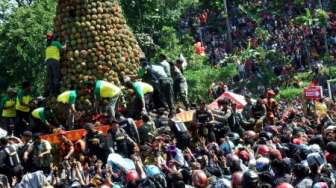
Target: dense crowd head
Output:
{"points": [[301, 43]]}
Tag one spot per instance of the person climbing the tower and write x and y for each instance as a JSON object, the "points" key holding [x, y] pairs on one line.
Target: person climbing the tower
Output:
{"points": [[52, 58], [68, 98], [140, 89], [106, 96], [41, 123]]}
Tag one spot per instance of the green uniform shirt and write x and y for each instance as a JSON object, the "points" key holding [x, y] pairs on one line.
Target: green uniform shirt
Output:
{"points": [[53, 51], [141, 89], [105, 89], [8, 107], [23, 99], [67, 97], [39, 113]]}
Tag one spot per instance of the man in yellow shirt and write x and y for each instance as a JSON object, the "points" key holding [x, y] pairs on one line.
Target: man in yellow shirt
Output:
{"points": [[22, 107], [7, 107], [52, 57]]}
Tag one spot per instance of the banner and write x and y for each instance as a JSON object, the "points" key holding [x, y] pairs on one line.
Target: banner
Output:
{"points": [[313, 92], [186, 116], [75, 135]]}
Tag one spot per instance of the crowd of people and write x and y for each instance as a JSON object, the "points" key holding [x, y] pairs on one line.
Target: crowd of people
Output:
{"points": [[303, 44], [24, 119], [265, 143]]}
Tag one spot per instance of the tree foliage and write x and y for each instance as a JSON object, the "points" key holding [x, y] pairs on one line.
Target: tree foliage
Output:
{"points": [[319, 18], [150, 20], [22, 41]]}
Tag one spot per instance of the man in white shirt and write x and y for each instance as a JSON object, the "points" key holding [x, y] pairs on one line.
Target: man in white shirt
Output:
{"points": [[164, 63]]}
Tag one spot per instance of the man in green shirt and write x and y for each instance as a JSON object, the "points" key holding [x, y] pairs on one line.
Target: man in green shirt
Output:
{"points": [[68, 98], [7, 108], [23, 104], [52, 57], [140, 89]]}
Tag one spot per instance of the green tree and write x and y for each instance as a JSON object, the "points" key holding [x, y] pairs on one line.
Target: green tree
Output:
{"points": [[22, 40], [150, 19]]}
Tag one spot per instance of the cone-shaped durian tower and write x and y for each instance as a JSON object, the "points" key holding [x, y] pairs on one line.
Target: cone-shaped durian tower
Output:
{"points": [[100, 45]]}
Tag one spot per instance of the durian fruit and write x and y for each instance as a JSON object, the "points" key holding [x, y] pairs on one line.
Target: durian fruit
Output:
{"points": [[100, 45]]}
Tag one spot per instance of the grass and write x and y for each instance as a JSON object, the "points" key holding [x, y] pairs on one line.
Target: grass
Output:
{"points": [[290, 93]]}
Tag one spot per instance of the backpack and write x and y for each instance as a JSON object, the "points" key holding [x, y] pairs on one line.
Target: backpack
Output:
{"points": [[13, 159]]}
